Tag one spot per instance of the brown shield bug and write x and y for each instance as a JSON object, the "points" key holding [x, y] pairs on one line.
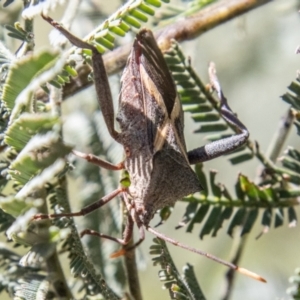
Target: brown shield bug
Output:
{"points": [[150, 116]]}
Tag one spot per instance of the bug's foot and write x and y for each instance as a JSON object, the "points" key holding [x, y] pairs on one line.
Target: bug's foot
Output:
{"points": [[118, 253], [40, 217]]}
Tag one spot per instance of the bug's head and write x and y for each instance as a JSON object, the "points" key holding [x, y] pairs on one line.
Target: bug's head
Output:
{"points": [[145, 215]]}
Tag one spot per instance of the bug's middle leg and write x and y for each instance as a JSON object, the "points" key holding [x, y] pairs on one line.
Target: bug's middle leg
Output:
{"points": [[226, 145], [84, 211]]}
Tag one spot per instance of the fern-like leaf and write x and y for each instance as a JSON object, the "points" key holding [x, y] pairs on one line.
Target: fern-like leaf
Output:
{"points": [[241, 210], [180, 287], [294, 290], [80, 265], [292, 97], [130, 15], [23, 72], [22, 282]]}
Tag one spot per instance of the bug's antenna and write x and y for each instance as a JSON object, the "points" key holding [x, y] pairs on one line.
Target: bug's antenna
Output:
{"points": [[208, 255]]}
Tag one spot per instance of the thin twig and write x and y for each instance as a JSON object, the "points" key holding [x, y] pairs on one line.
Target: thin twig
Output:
{"points": [[132, 272], [273, 152], [230, 274], [55, 97], [237, 203], [280, 136], [205, 19], [61, 286], [28, 45], [53, 263]]}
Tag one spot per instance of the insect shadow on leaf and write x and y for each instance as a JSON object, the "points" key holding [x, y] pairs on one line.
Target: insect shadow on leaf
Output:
{"points": [[150, 116]]}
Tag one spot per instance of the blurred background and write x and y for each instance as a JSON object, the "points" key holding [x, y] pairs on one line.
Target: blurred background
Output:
{"points": [[256, 61]]}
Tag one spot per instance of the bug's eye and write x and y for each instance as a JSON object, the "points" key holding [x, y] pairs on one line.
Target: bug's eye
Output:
{"points": [[118, 118]]}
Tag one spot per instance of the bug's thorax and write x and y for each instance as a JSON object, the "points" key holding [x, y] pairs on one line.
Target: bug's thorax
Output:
{"points": [[151, 121]]}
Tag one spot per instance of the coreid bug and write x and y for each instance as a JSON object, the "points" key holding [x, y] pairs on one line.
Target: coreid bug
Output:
{"points": [[151, 121]]}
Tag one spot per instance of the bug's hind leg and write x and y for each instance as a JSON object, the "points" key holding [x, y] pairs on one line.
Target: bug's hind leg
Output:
{"points": [[226, 145], [128, 247], [127, 236]]}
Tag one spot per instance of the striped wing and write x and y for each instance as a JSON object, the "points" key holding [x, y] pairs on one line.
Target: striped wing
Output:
{"points": [[151, 120]]}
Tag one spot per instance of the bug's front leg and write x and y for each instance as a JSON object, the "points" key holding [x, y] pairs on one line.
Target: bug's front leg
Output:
{"points": [[226, 145], [100, 77], [98, 161]]}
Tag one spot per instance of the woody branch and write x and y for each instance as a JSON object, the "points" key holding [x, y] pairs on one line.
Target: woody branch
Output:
{"points": [[186, 29]]}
